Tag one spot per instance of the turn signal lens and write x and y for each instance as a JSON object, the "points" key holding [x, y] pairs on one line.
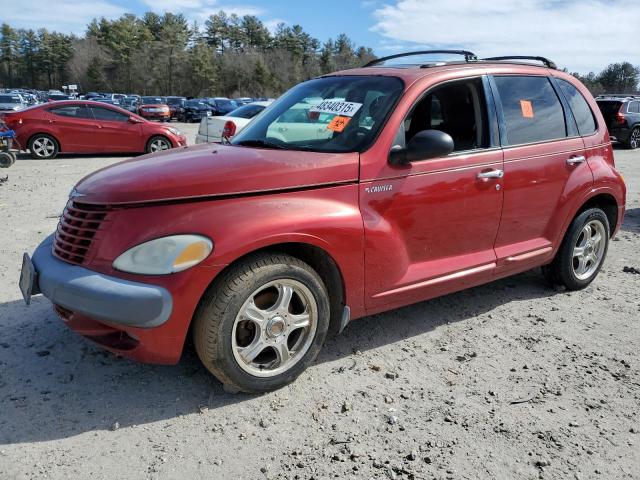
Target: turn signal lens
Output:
{"points": [[165, 255], [192, 255]]}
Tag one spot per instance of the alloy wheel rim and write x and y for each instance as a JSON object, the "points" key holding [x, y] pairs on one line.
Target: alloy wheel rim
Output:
{"points": [[159, 145], [588, 251], [635, 138], [43, 147], [274, 328]]}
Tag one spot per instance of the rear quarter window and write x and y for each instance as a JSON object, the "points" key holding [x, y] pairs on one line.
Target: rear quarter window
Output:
{"points": [[581, 111], [634, 107], [532, 110]]}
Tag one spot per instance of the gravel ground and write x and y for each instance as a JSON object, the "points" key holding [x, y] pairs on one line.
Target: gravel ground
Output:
{"points": [[508, 380]]}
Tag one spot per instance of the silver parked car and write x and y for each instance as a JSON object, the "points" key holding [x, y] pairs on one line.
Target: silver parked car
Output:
{"points": [[11, 102]]}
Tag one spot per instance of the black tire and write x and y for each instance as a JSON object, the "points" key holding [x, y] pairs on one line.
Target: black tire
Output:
{"points": [[561, 271], [154, 141], [6, 159], [38, 152], [633, 141], [216, 314]]}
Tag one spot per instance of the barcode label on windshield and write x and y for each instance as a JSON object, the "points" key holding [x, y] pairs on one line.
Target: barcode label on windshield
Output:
{"points": [[337, 107]]}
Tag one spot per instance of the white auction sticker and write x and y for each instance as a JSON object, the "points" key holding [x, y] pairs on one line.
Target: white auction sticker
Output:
{"points": [[337, 107]]}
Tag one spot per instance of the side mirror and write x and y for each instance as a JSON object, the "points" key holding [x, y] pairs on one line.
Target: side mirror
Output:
{"points": [[423, 146], [134, 120]]}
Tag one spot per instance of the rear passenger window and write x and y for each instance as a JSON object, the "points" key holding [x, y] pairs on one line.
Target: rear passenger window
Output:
{"points": [[580, 108], [73, 111], [634, 107], [532, 110]]}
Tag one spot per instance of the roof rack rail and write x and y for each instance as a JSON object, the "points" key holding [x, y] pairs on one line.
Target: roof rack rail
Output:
{"points": [[544, 60], [468, 56]]}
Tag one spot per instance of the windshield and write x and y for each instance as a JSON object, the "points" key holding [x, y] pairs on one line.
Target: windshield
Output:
{"points": [[151, 100], [175, 101], [247, 111], [9, 99], [195, 103], [331, 114], [609, 107], [224, 103]]}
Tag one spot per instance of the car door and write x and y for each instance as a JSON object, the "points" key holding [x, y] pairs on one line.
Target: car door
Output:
{"points": [[544, 161], [115, 132], [73, 126], [430, 226]]}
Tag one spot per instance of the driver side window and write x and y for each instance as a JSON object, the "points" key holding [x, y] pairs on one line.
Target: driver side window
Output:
{"points": [[456, 108]]}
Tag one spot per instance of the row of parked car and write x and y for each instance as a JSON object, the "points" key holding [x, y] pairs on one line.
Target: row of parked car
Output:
{"points": [[160, 108], [165, 109], [17, 99]]}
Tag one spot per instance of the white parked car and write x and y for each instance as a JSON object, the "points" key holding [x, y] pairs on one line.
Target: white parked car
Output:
{"points": [[212, 129], [11, 102]]}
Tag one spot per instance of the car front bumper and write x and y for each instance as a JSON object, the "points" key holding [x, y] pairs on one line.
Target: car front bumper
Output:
{"points": [[101, 297]]}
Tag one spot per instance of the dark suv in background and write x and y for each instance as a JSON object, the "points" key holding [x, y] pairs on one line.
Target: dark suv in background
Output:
{"points": [[622, 116]]}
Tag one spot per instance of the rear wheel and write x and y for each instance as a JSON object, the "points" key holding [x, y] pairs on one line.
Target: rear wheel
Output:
{"points": [[582, 252], [42, 146], [263, 323], [157, 144], [634, 139]]}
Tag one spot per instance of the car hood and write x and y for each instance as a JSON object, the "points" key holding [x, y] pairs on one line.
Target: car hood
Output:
{"points": [[212, 170]]}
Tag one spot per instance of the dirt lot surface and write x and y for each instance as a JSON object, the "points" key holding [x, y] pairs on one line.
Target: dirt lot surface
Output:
{"points": [[511, 380]]}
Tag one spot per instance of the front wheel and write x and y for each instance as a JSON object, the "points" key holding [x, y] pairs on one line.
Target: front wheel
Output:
{"points": [[157, 144], [582, 252], [263, 323]]}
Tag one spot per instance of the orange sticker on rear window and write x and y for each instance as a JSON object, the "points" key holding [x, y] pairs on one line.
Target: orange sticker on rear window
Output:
{"points": [[338, 124], [527, 108]]}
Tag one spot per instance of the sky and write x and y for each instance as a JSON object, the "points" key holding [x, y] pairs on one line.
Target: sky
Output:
{"points": [[582, 35]]}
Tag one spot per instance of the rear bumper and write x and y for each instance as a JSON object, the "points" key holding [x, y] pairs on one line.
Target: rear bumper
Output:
{"points": [[101, 297], [620, 134]]}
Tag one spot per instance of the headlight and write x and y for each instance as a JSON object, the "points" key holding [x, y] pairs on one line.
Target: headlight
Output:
{"points": [[175, 131], [165, 255]]}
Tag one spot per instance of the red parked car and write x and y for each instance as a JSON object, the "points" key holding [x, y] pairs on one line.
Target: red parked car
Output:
{"points": [[154, 108], [353, 194], [80, 126]]}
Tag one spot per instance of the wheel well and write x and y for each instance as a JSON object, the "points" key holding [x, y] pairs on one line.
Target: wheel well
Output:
{"points": [[155, 135], [48, 135], [606, 203], [322, 263]]}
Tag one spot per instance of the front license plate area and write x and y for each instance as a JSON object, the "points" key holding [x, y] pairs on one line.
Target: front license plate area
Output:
{"points": [[27, 279]]}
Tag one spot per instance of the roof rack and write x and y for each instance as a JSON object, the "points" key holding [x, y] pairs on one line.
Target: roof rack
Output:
{"points": [[544, 60], [468, 56]]}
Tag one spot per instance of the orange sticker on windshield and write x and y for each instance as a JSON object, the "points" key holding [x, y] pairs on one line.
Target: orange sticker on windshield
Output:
{"points": [[527, 108], [338, 123]]}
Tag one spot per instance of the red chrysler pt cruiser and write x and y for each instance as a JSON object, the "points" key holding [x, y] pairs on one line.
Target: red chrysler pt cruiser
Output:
{"points": [[354, 193]]}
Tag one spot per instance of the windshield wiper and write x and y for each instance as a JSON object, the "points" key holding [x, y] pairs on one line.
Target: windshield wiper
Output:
{"points": [[260, 143]]}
